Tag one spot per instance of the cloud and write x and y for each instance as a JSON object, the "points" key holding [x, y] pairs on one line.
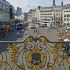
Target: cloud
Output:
{"points": [[27, 4]]}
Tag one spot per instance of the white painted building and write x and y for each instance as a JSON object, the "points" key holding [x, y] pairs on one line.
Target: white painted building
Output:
{"points": [[66, 14], [46, 14], [37, 14], [54, 16], [49, 15], [43, 15]]}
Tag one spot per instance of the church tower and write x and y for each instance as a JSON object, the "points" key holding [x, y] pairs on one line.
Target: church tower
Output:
{"points": [[54, 3], [62, 3]]}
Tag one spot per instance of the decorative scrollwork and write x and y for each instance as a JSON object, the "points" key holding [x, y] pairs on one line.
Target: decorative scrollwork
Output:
{"points": [[35, 54], [57, 53], [36, 58]]}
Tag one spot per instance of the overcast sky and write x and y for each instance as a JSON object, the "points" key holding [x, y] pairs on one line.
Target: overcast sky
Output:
{"points": [[27, 4]]}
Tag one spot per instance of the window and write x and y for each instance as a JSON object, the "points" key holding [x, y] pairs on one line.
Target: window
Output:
{"points": [[4, 6], [64, 15], [1, 5], [68, 15], [64, 19], [7, 9], [67, 19]]}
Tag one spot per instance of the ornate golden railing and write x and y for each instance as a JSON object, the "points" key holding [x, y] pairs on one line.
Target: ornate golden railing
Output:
{"points": [[35, 54]]}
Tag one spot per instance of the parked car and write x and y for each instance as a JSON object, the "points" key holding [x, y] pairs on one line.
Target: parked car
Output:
{"points": [[32, 26], [42, 25], [19, 26]]}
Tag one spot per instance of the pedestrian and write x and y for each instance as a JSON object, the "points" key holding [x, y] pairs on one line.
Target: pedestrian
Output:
{"points": [[18, 34], [34, 30], [58, 33], [38, 31]]}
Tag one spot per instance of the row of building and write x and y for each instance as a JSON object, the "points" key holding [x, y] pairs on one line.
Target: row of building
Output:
{"points": [[54, 15]]}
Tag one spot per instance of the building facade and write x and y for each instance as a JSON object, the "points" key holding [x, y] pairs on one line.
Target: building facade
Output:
{"points": [[5, 11], [31, 14], [19, 14], [46, 14], [12, 12], [54, 15], [66, 14], [19, 11], [50, 15], [57, 15], [25, 16]]}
